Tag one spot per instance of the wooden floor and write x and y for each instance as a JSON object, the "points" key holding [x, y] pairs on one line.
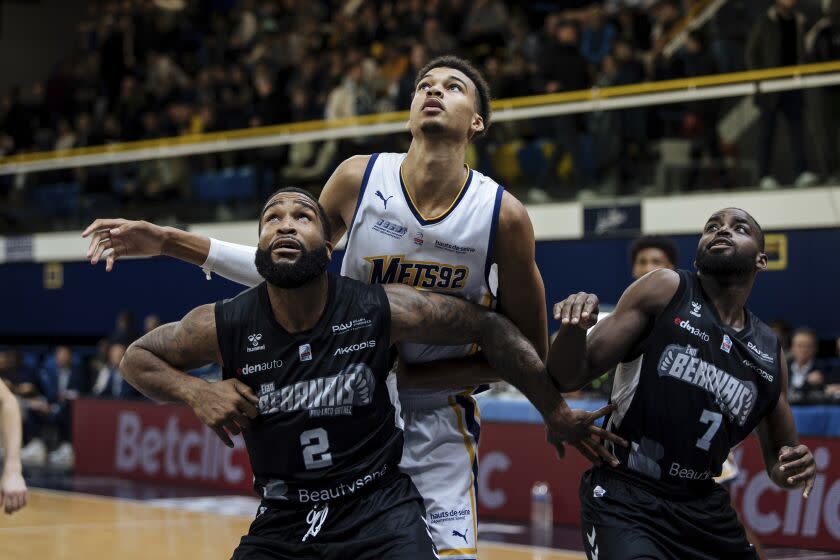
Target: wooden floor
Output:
{"points": [[70, 526]]}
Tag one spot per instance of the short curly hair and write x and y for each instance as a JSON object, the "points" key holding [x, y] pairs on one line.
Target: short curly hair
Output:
{"points": [[471, 72], [664, 244]]}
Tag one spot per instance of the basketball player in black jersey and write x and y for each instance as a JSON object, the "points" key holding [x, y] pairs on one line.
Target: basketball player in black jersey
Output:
{"points": [[306, 358], [697, 372]]}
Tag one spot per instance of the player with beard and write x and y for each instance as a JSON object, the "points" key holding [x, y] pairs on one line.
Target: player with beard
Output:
{"points": [[306, 361], [425, 219], [697, 372]]}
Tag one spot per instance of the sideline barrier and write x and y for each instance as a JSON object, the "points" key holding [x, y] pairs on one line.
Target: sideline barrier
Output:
{"points": [[168, 444]]}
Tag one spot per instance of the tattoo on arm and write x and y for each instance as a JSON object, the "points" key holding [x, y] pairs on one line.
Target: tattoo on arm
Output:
{"points": [[155, 363], [431, 318]]}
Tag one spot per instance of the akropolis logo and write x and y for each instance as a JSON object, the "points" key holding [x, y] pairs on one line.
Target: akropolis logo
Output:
{"points": [[701, 334], [354, 348]]}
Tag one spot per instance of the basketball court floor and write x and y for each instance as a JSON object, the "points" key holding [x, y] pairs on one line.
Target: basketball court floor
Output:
{"points": [[81, 518]]}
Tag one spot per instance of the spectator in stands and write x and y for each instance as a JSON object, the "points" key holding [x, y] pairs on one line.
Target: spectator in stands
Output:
{"points": [[700, 123], [729, 35], [652, 252], [806, 380], [125, 331], [12, 485], [823, 45], [832, 380], [783, 330], [598, 34], [150, 323], [564, 69], [109, 382], [777, 39], [26, 385], [436, 40], [63, 382], [485, 26]]}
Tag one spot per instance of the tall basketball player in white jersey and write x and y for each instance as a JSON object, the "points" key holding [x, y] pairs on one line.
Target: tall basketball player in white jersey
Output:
{"points": [[425, 219]]}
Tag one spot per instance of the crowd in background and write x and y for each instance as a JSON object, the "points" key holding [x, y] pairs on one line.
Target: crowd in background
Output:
{"points": [[145, 69], [47, 380]]}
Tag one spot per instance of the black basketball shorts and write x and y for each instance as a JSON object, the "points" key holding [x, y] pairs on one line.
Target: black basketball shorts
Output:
{"points": [[624, 521], [387, 523]]}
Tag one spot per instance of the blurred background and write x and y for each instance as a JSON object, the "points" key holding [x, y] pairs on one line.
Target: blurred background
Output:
{"points": [[621, 124]]}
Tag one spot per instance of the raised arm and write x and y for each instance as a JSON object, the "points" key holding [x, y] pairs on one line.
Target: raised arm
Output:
{"points": [[522, 300], [12, 485], [430, 318], [155, 365], [576, 359], [789, 464], [112, 239]]}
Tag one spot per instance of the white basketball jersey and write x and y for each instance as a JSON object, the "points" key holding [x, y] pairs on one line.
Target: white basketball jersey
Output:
{"points": [[389, 241]]}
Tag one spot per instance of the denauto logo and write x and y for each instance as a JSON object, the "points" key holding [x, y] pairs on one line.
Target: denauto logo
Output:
{"points": [[702, 335], [248, 369], [196, 454]]}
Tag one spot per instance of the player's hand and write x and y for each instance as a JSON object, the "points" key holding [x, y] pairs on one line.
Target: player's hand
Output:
{"points": [[578, 429], [111, 239], [798, 467], [227, 407], [579, 309], [12, 491]]}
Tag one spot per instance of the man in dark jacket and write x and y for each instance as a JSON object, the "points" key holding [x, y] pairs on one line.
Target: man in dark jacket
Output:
{"points": [[63, 382], [823, 45], [777, 39]]}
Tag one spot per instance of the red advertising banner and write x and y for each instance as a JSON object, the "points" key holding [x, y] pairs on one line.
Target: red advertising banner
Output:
{"points": [[515, 456], [164, 443], [168, 444]]}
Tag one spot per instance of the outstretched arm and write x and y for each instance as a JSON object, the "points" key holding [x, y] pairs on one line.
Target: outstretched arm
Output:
{"points": [[12, 485], [430, 318], [112, 239], [575, 358], [155, 365], [789, 464]]}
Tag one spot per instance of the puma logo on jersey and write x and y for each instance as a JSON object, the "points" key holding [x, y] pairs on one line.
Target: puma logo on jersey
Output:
{"points": [[462, 535], [382, 197], [396, 269]]}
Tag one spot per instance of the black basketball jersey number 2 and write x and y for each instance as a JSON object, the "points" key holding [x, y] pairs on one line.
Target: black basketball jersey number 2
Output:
{"points": [[316, 449]]}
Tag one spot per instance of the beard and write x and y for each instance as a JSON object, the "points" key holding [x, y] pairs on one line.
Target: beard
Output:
{"points": [[432, 128], [308, 266], [732, 265]]}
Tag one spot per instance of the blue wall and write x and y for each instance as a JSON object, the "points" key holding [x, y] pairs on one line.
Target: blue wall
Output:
{"points": [[804, 294]]}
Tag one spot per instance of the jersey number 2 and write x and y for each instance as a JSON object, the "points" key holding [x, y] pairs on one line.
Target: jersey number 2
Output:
{"points": [[316, 447], [713, 419]]}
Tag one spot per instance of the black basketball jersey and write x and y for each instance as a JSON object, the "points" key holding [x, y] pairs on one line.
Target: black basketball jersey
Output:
{"points": [[696, 390], [326, 425]]}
